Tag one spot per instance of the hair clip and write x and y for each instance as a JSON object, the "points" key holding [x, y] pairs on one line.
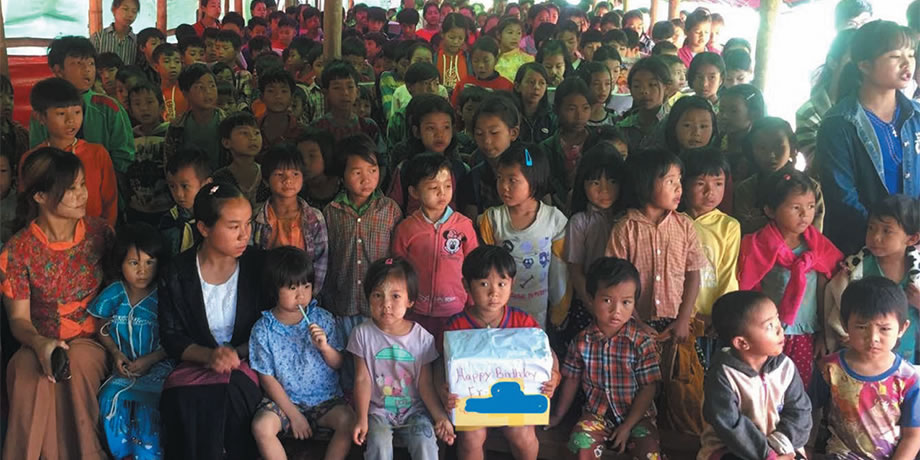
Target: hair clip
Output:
{"points": [[787, 177], [389, 261], [528, 160], [214, 189], [750, 96]]}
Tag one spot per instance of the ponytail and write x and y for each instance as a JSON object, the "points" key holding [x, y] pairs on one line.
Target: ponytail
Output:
{"points": [[850, 80]]}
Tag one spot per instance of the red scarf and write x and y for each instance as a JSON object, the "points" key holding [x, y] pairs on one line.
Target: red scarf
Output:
{"points": [[762, 250]]}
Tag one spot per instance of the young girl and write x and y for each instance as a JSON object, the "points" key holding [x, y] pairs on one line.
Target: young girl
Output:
{"points": [[430, 119], [705, 75], [690, 125], [364, 105], [790, 261], [536, 16], [393, 380], [553, 57], [321, 183], [699, 30], [739, 107], [573, 109], [432, 15], [537, 118], [770, 145], [496, 125], [511, 56], [453, 63], [534, 232], [647, 81], [127, 310], [483, 57], [595, 204], [568, 34], [598, 78]]}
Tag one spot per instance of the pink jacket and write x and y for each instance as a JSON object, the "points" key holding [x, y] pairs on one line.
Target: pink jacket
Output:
{"points": [[436, 251]]}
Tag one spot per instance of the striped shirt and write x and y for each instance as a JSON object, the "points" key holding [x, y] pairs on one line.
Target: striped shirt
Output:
{"points": [[107, 41]]}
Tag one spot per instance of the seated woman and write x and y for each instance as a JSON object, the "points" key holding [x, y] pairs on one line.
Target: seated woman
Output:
{"points": [[47, 310], [209, 300]]}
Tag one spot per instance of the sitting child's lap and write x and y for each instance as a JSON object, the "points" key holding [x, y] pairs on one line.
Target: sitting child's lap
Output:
{"points": [[313, 414], [593, 432]]}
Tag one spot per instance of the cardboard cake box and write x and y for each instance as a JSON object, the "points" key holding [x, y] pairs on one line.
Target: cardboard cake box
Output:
{"points": [[497, 375]]}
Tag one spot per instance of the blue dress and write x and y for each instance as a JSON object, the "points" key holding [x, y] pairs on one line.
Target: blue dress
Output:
{"points": [[129, 406]]}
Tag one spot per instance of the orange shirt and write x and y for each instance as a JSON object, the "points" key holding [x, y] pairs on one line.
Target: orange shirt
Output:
{"points": [[174, 103], [286, 232]]}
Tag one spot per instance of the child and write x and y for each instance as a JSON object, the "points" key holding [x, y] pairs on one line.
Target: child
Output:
{"points": [[662, 244], [618, 410], [210, 45], [871, 389], [314, 63], [14, 135], [419, 52], [278, 125], [554, 59], [227, 46], [210, 16], [597, 76], [340, 90], [149, 195], [354, 52], [705, 74], [398, 52], [488, 276], [296, 349], [408, 20], [691, 124], [891, 239], [769, 144], [573, 110], [127, 310], [483, 57], [147, 41], [530, 90], [118, 38], [647, 81], [364, 105], [453, 63], [755, 405], [705, 178], [699, 30], [421, 78], [7, 193], [567, 33], [738, 68], [186, 172], [362, 220], [57, 105], [287, 30], [286, 219], [199, 125], [739, 107], [771, 261], [168, 63], [321, 183], [107, 65], [591, 40], [241, 137], [192, 50], [432, 15], [393, 378], [533, 232], [435, 239], [127, 77], [678, 87], [511, 56], [470, 98]]}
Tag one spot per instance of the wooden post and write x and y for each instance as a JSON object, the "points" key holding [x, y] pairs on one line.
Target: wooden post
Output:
{"points": [[652, 16], [161, 16], [4, 60], [225, 10], [238, 6], [625, 5], [673, 9], [95, 16], [768, 11], [332, 29]]}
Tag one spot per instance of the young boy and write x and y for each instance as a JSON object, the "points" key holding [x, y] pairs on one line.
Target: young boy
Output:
{"points": [[891, 251], [408, 20], [198, 126], [589, 42], [240, 136], [15, 137], [435, 240], [287, 30], [874, 409], [719, 234], [186, 172], [276, 90], [314, 63], [148, 196], [227, 50], [210, 45], [738, 68], [57, 105], [340, 90], [470, 99], [616, 364], [488, 273], [311, 24], [168, 63], [147, 41], [755, 405], [192, 50], [296, 330], [105, 121], [362, 220], [421, 78], [107, 65], [354, 52]]}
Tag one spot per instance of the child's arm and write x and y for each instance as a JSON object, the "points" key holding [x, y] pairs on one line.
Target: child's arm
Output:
{"points": [[637, 410], [109, 187], [273, 389], [362, 395], [447, 399], [909, 445], [577, 278], [722, 411], [426, 389], [795, 418], [331, 356], [550, 387], [820, 344], [680, 329], [567, 393], [142, 365], [121, 361]]}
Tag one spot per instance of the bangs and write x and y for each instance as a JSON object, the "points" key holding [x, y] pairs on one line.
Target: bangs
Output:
{"points": [[608, 169], [296, 275], [897, 38]]}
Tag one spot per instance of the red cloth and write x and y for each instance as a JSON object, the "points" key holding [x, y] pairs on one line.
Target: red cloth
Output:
{"points": [[762, 250], [496, 83]]}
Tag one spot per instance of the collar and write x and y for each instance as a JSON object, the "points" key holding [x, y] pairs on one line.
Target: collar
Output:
{"points": [[79, 234], [593, 333], [850, 108], [714, 214], [492, 77], [261, 213], [637, 215], [503, 323], [447, 213], [342, 198], [111, 30]]}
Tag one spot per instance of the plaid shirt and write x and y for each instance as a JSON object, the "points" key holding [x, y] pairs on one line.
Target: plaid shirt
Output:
{"points": [[807, 121], [313, 229], [361, 236], [612, 369]]}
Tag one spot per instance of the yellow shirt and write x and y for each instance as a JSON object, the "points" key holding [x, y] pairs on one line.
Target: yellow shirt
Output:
{"points": [[509, 63], [720, 236]]}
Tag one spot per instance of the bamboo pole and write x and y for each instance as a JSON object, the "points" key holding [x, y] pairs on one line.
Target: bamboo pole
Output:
{"points": [[161, 16], [332, 29], [625, 5], [768, 12], [238, 6], [4, 60], [652, 15], [673, 9], [95, 16], [226, 8]]}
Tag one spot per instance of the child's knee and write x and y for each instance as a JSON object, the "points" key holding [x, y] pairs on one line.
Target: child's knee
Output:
{"points": [[265, 425], [340, 418], [473, 439], [521, 436]]}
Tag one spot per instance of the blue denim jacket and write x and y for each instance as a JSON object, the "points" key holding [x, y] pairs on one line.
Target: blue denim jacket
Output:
{"points": [[849, 161]]}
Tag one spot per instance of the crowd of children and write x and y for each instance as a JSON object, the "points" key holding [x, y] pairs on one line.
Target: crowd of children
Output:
{"points": [[293, 235]]}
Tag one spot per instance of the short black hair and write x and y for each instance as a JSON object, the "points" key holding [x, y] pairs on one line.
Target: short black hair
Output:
{"points": [[607, 53], [356, 145], [534, 165], [414, 46], [287, 22], [632, 14], [653, 65], [376, 13], [338, 70], [146, 34], [310, 12], [570, 86], [500, 106], [486, 44], [608, 271], [779, 185], [408, 16], [287, 266], [772, 124], [682, 106], [849, 9], [737, 59], [481, 261], [873, 297], [130, 71], [144, 237], [587, 70], [472, 94], [354, 46], [663, 47], [614, 18], [598, 161], [259, 43], [591, 36], [646, 168], [184, 31], [256, 22], [109, 60], [616, 36], [702, 59], [326, 143], [209, 33], [210, 201], [146, 86], [632, 38], [281, 156], [662, 30], [54, 93], [236, 120], [190, 157], [419, 72], [164, 49], [737, 42], [377, 37], [192, 74], [69, 46], [276, 75], [117, 3], [232, 17], [424, 166], [229, 36], [191, 42], [731, 311], [904, 209], [384, 268], [706, 161]]}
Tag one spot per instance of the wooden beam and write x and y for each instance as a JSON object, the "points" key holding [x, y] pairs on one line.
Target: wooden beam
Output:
{"points": [[673, 9], [625, 5], [652, 16], [4, 60], [238, 6], [161, 15], [226, 8], [332, 29], [768, 12], [95, 16]]}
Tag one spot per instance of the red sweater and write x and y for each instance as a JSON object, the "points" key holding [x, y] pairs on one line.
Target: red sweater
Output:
{"points": [[495, 83]]}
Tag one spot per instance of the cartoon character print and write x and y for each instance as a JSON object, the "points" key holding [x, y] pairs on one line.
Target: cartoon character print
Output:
{"points": [[453, 241]]}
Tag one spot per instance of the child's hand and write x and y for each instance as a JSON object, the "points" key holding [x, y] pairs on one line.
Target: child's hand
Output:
{"points": [[122, 365], [300, 427], [549, 387], [451, 403], [445, 431], [679, 330], [785, 457], [359, 435], [820, 346], [913, 295], [318, 336], [223, 360], [141, 366], [620, 438]]}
